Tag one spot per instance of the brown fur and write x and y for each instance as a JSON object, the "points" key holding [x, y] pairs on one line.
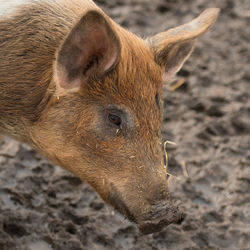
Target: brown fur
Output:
{"points": [[138, 156], [65, 125]]}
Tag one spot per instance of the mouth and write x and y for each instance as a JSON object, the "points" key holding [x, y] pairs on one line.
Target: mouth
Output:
{"points": [[118, 203]]}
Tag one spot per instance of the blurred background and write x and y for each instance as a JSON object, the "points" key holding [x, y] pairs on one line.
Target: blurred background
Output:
{"points": [[207, 115]]}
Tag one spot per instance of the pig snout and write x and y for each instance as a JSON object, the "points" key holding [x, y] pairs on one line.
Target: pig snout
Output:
{"points": [[161, 215], [149, 217]]}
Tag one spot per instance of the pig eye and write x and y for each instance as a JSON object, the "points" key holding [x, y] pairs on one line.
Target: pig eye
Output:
{"points": [[115, 119], [157, 101]]}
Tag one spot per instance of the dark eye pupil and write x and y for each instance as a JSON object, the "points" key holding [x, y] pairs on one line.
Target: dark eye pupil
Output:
{"points": [[115, 119], [157, 101]]}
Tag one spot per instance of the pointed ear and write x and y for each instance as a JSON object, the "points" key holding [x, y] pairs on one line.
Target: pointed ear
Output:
{"points": [[92, 49], [173, 47]]}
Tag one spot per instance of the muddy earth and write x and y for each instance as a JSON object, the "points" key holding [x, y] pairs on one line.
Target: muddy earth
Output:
{"points": [[43, 207]]}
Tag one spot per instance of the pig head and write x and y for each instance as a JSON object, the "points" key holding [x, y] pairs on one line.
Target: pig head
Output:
{"points": [[102, 114]]}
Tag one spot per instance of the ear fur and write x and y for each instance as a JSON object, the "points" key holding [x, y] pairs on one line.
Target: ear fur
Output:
{"points": [[92, 49], [174, 46]]}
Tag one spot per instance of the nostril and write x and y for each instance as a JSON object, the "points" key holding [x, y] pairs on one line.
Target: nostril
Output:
{"points": [[181, 219]]}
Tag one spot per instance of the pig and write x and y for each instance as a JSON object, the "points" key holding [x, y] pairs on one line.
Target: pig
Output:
{"points": [[86, 93]]}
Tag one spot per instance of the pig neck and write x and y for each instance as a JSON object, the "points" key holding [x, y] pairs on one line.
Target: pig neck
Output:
{"points": [[28, 43]]}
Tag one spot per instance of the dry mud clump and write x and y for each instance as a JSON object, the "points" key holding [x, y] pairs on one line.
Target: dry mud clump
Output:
{"points": [[44, 207]]}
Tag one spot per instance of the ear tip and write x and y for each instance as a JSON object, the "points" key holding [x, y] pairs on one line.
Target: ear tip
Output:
{"points": [[93, 14], [211, 13]]}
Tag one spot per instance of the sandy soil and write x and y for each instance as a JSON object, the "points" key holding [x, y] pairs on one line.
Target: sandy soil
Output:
{"points": [[43, 207]]}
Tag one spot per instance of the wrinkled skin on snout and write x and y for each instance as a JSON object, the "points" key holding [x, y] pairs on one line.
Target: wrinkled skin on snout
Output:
{"points": [[103, 118]]}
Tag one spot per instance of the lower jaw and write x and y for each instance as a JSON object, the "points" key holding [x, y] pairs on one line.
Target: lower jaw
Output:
{"points": [[153, 226]]}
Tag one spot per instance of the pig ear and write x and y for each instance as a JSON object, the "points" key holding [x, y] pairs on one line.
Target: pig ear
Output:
{"points": [[173, 47], [91, 49]]}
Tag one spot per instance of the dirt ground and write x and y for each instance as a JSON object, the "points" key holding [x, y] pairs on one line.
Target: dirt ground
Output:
{"points": [[43, 207]]}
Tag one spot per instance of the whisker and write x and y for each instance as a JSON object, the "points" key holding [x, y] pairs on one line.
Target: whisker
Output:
{"points": [[168, 175]]}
